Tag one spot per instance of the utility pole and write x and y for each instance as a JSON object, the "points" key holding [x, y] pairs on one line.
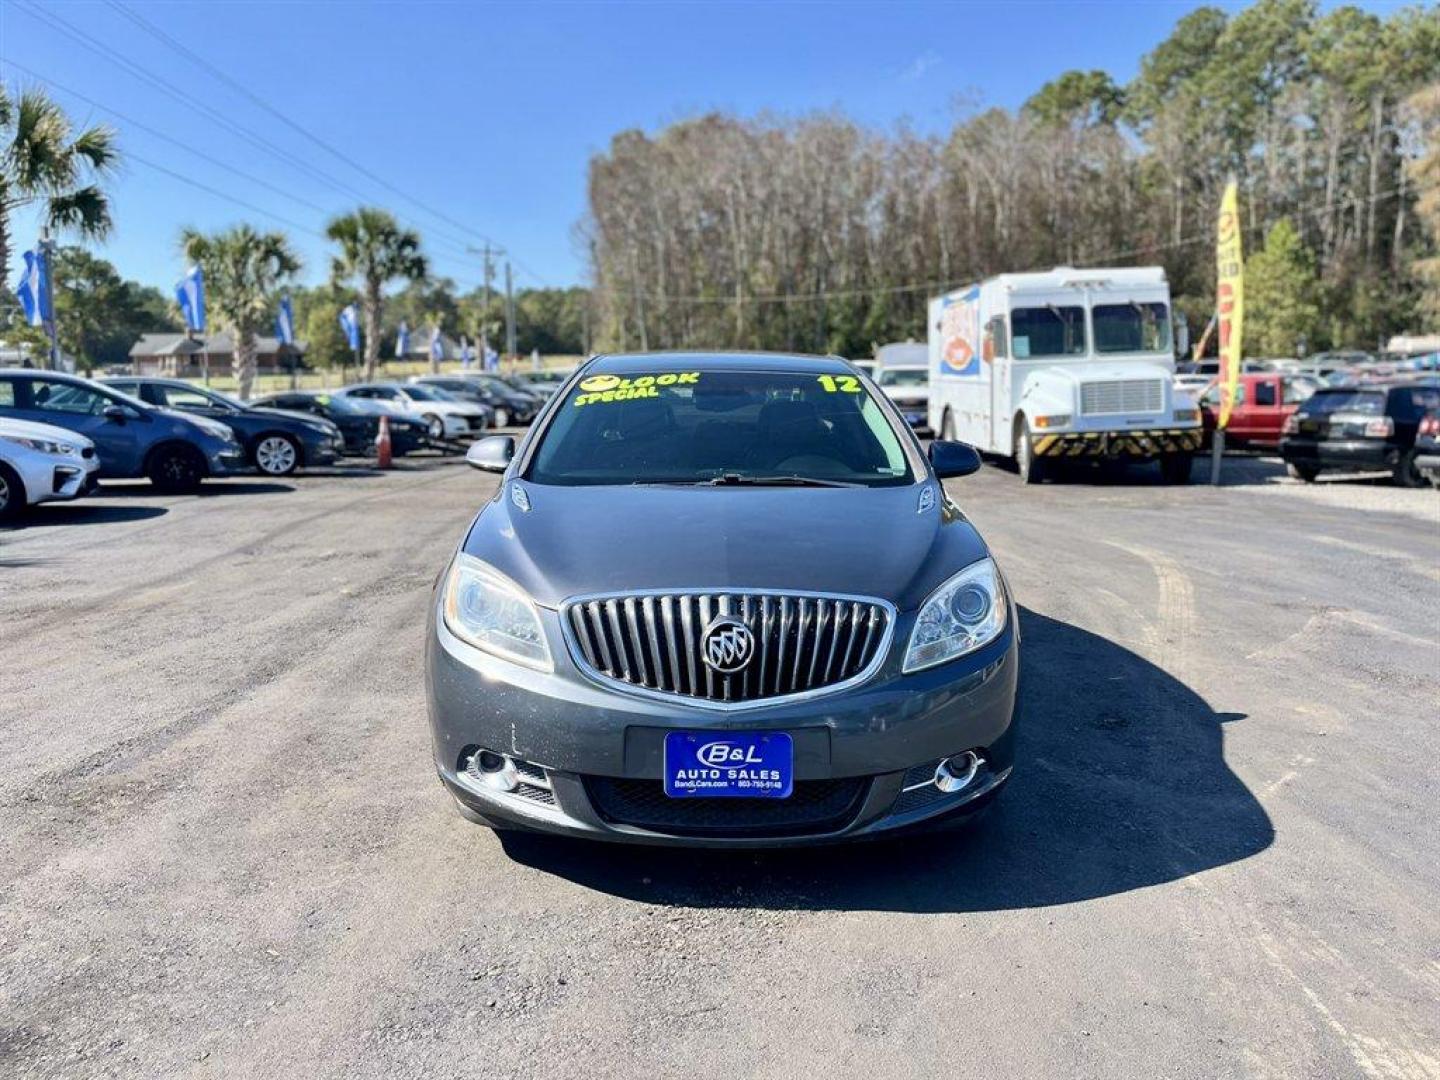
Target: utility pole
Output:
{"points": [[47, 251], [509, 314], [487, 255]]}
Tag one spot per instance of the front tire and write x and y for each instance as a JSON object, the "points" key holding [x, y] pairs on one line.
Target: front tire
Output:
{"points": [[434, 426], [1175, 468], [502, 418], [1307, 473], [1030, 468], [12, 495], [177, 469], [277, 455]]}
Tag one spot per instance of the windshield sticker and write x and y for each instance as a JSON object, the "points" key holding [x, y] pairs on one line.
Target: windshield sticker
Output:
{"points": [[323, 399], [840, 384], [605, 388]]}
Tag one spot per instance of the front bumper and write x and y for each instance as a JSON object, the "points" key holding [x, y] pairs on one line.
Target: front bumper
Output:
{"points": [[1134, 445], [229, 461], [1338, 454], [591, 757]]}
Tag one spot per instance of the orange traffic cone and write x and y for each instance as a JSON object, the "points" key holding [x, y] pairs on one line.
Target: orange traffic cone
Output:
{"points": [[382, 443]]}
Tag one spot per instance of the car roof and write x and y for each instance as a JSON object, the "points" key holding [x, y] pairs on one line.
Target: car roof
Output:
{"points": [[42, 373], [653, 362]]}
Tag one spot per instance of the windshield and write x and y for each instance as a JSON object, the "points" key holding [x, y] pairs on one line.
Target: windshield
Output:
{"points": [[904, 376], [1131, 328], [1351, 401], [427, 393], [1047, 331], [697, 427]]}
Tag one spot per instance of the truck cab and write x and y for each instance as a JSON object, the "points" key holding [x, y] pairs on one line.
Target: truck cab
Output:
{"points": [[1061, 365]]}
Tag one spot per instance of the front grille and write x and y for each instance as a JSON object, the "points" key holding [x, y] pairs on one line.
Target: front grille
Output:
{"points": [[814, 806], [801, 642], [1121, 396]]}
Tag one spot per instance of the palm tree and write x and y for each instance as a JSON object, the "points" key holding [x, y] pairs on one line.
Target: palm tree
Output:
{"points": [[374, 250], [43, 160], [243, 270]]}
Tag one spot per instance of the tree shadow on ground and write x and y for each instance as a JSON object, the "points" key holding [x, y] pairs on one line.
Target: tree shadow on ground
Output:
{"points": [[83, 512], [217, 488], [1120, 783]]}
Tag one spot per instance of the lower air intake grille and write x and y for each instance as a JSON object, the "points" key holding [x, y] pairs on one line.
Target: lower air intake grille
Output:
{"points": [[798, 642], [815, 806], [1118, 396]]}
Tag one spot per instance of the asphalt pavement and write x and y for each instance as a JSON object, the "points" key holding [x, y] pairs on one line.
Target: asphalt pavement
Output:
{"points": [[224, 852]]}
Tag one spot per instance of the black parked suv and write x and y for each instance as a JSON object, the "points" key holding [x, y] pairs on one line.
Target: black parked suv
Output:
{"points": [[357, 419], [511, 406], [1359, 427], [277, 443]]}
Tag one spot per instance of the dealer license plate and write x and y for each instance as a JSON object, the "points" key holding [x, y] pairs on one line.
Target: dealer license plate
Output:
{"points": [[742, 764]]}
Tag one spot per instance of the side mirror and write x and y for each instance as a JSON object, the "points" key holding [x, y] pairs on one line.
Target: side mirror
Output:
{"points": [[951, 459], [492, 454], [114, 413]]}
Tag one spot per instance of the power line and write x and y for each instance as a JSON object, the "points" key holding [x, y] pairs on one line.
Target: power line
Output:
{"points": [[56, 22], [130, 156], [155, 132], [246, 92]]}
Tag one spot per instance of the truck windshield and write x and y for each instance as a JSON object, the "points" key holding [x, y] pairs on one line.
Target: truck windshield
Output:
{"points": [[1131, 327], [720, 427], [1047, 331], [904, 376]]}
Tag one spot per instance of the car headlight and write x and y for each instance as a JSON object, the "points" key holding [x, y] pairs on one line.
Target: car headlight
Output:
{"points": [[964, 613], [491, 613], [45, 446]]}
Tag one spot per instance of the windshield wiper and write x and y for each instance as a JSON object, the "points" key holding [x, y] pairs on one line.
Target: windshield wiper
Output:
{"points": [[726, 479]]}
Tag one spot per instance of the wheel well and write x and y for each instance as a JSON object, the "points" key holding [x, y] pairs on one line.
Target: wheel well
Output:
{"points": [[171, 444], [297, 443], [16, 483], [1017, 425]]}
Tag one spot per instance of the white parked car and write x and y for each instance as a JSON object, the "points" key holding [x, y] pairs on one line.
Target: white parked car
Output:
{"points": [[40, 463], [908, 387], [445, 416], [1194, 385]]}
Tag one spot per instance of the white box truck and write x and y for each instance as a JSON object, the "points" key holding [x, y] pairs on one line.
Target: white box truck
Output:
{"points": [[1062, 364]]}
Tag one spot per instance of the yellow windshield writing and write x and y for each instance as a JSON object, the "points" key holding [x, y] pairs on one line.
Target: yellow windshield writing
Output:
{"points": [[606, 388]]}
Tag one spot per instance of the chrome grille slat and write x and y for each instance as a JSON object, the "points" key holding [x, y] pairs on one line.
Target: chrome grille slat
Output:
{"points": [[612, 609], [1112, 397], [652, 642], [637, 641]]}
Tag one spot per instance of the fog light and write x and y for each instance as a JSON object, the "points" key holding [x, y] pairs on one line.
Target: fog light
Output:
{"points": [[956, 773], [493, 770]]}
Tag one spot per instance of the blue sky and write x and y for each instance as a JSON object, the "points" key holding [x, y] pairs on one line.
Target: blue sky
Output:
{"points": [[489, 113]]}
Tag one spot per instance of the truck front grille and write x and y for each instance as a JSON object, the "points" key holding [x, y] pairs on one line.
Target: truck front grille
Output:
{"points": [[1119, 396], [801, 642]]}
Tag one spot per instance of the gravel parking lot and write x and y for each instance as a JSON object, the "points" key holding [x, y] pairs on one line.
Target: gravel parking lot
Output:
{"points": [[224, 852]]}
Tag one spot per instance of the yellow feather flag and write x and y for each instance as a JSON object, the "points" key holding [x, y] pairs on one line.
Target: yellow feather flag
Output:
{"points": [[1229, 299]]}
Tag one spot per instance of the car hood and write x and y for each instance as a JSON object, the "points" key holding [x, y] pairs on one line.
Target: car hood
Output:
{"points": [[305, 419], [872, 542], [28, 429]]}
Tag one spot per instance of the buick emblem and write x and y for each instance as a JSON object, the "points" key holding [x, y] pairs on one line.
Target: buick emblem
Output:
{"points": [[727, 645]]}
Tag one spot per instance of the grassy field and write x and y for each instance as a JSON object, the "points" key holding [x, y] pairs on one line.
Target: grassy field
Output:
{"points": [[323, 378]]}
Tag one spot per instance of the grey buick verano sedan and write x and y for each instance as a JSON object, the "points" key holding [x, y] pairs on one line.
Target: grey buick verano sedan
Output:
{"points": [[721, 600]]}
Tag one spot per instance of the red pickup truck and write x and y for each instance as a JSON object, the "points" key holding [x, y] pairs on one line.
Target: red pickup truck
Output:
{"points": [[1263, 400]]}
